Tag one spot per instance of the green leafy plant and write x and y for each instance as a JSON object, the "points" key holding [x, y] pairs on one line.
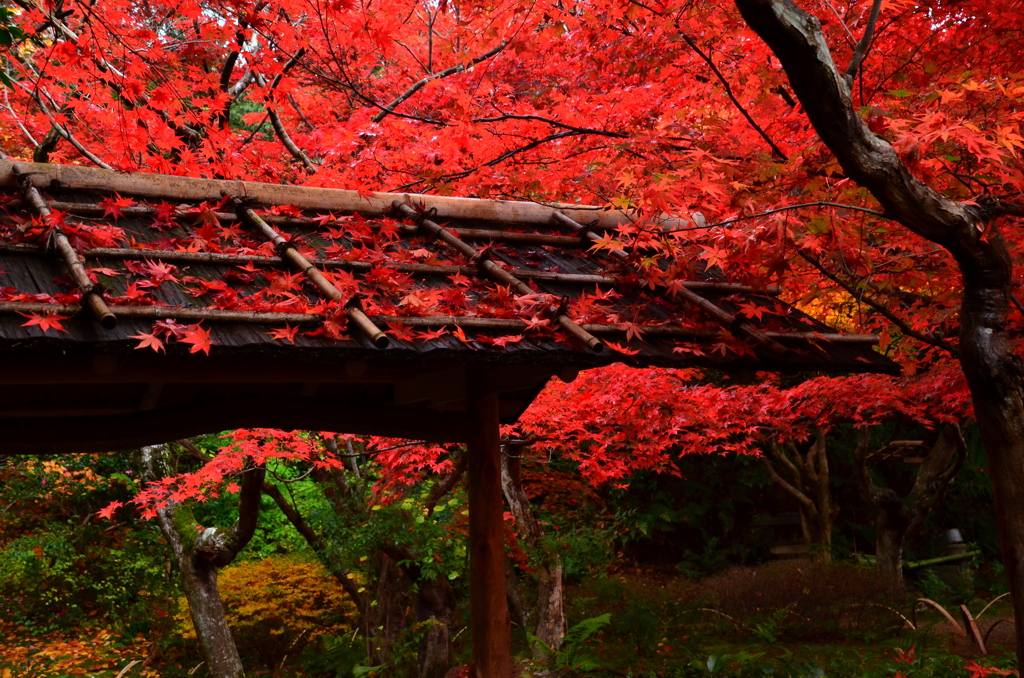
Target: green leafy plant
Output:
{"points": [[571, 655], [768, 629]]}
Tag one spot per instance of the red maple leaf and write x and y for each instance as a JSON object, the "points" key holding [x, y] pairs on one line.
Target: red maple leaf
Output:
{"points": [[505, 341], [432, 334], [112, 206], [400, 331], [752, 310], [199, 338], [108, 512], [45, 322], [287, 333], [149, 341], [621, 349]]}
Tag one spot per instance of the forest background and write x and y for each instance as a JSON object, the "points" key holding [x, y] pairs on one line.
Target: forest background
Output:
{"points": [[883, 201]]}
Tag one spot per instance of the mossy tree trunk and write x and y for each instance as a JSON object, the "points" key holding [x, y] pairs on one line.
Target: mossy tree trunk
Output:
{"points": [[199, 552], [550, 608]]}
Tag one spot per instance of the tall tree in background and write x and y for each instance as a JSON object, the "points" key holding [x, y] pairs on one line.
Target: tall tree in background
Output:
{"points": [[968, 230]]}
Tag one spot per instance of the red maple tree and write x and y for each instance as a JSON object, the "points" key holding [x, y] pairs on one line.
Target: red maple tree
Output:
{"points": [[878, 190]]}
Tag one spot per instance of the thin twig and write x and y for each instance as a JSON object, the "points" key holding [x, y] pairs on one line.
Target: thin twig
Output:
{"points": [[861, 50], [819, 203], [86, 153], [842, 22], [490, 163], [728, 90], [419, 84], [555, 123]]}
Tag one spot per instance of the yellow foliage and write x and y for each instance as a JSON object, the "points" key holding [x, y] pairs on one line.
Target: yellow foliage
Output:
{"points": [[278, 605]]}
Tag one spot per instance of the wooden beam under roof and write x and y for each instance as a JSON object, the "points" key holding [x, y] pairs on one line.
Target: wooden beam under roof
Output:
{"points": [[91, 433]]}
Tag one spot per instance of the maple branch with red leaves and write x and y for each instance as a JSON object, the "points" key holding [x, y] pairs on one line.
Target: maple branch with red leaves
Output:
{"points": [[861, 296]]}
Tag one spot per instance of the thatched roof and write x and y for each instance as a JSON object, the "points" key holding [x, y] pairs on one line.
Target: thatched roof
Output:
{"points": [[325, 305]]}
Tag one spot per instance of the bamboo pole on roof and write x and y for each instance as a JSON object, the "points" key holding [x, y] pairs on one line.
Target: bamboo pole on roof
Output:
{"points": [[90, 293], [166, 187], [325, 286], [495, 272], [510, 236], [721, 315], [561, 220], [218, 259], [215, 259]]}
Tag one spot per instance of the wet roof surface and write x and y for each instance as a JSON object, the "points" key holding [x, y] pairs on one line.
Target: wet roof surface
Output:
{"points": [[428, 297]]}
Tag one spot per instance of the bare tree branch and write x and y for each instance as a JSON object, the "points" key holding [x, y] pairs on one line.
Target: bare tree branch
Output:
{"points": [[282, 133], [86, 153], [491, 163], [555, 123]]}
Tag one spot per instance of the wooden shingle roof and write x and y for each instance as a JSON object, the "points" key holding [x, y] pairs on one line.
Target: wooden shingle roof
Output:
{"points": [[328, 305]]}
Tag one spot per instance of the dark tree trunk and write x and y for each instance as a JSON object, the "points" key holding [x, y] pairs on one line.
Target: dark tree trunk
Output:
{"points": [[889, 537], [199, 554], [805, 477], [994, 373], [898, 516]]}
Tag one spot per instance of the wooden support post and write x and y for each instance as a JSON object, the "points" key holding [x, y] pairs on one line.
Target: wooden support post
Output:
{"points": [[489, 620]]}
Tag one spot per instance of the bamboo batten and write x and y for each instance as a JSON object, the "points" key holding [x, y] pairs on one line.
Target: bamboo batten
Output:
{"points": [[90, 294], [91, 209], [216, 259], [510, 236], [167, 313], [560, 219], [495, 272], [325, 286]]}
